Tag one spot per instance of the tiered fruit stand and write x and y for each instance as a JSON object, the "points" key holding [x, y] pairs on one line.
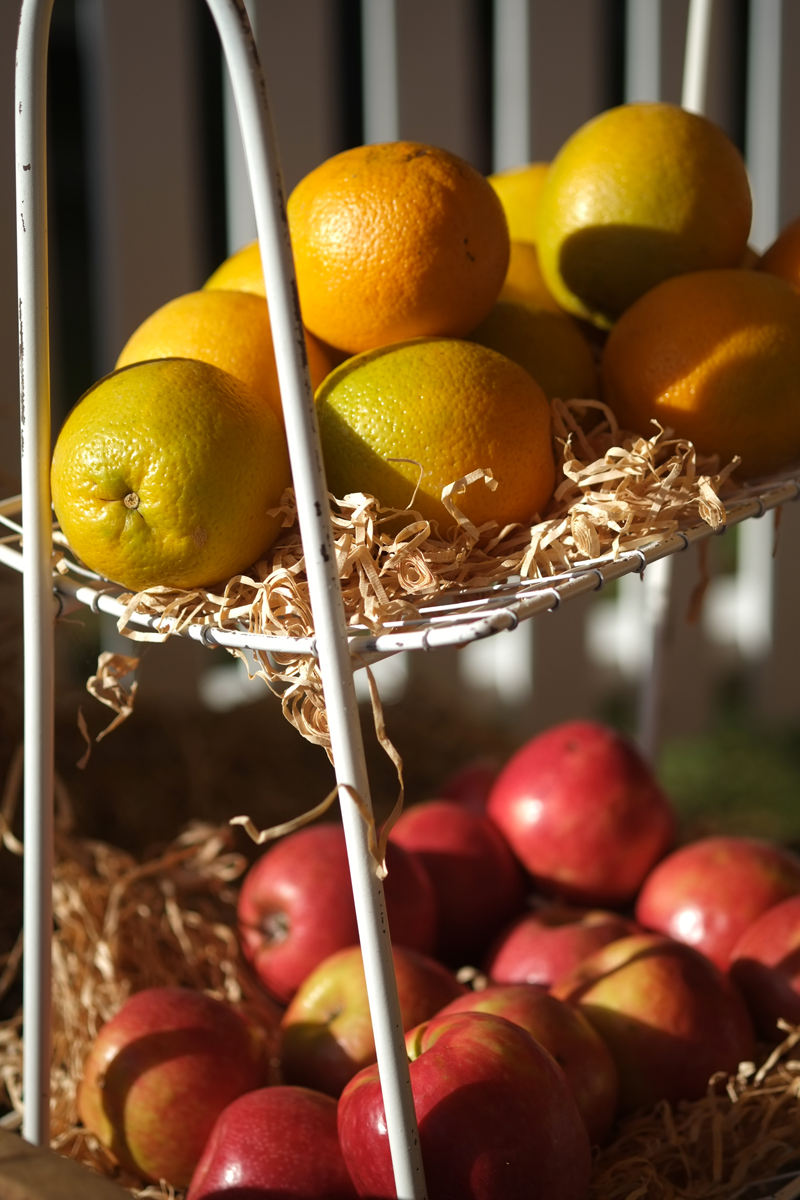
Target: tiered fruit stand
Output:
{"points": [[466, 617]]}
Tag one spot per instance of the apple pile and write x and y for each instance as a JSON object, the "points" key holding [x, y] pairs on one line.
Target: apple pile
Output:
{"points": [[619, 971]]}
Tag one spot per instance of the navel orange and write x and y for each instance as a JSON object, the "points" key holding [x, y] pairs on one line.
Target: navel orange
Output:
{"points": [[165, 472], [395, 241], [715, 356], [639, 194], [547, 344], [520, 189], [451, 407], [230, 330]]}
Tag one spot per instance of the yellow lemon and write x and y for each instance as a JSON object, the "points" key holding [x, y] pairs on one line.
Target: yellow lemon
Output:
{"points": [[451, 407], [524, 283], [165, 472], [519, 190], [639, 194]]}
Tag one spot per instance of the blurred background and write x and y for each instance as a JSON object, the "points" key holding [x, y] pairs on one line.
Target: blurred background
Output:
{"points": [[148, 195]]}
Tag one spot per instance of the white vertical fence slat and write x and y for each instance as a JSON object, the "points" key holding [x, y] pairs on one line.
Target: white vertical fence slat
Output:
{"points": [[380, 71], [439, 89], [763, 132], [753, 631], [299, 47], [145, 187], [694, 93], [643, 50], [511, 99], [569, 77], [773, 130]]}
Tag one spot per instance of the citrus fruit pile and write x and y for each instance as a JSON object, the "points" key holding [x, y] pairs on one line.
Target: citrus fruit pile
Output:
{"points": [[443, 312]]}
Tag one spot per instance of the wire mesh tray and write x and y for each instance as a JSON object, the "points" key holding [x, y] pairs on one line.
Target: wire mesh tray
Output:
{"points": [[455, 619]]}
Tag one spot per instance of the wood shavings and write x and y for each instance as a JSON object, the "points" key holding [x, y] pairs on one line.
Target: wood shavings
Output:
{"points": [[617, 492]]}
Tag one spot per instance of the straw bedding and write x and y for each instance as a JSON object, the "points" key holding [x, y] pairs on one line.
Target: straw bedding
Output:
{"points": [[617, 492]]}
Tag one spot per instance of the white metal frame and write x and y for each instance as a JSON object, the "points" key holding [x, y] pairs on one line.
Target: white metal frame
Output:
{"points": [[332, 648], [466, 617]]}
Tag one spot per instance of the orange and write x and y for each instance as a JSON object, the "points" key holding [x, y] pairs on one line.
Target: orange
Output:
{"points": [[164, 473], [714, 355], [242, 272], [524, 282], [783, 256], [639, 194], [520, 189], [396, 241], [547, 344], [450, 406], [230, 330]]}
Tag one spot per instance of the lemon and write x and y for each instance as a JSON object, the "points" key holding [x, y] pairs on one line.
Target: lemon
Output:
{"points": [[165, 472], [519, 190], [524, 283], [639, 194]]}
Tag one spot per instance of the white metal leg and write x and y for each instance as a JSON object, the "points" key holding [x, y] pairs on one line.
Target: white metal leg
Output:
{"points": [[694, 93], [309, 480], [31, 164], [323, 580]]}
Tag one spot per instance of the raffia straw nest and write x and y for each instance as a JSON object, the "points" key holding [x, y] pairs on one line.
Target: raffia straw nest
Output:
{"points": [[617, 492]]}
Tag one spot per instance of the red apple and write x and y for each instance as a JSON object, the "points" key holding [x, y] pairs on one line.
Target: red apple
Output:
{"points": [[278, 1142], [582, 810], [545, 945], [668, 1015], [765, 963], [159, 1074], [707, 893], [478, 883], [497, 1120], [470, 786], [577, 1048], [296, 906], [326, 1030]]}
